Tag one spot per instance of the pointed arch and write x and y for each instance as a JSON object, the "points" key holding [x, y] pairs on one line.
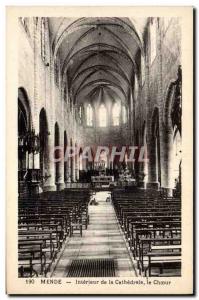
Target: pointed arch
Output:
{"points": [[24, 111], [24, 125]]}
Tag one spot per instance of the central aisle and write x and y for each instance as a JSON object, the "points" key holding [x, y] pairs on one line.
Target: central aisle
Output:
{"points": [[102, 239]]}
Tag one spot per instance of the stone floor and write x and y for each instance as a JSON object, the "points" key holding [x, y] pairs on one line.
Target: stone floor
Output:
{"points": [[102, 239]]}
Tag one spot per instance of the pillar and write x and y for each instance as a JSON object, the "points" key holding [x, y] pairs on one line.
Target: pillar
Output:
{"points": [[153, 165], [72, 169], [68, 175], [167, 168], [77, 167], [72, 159], [144, 170], [60, 181], [49, 184]]}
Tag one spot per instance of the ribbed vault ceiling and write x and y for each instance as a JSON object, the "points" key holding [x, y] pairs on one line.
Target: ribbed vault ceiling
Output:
{"points": [[97, 55]]}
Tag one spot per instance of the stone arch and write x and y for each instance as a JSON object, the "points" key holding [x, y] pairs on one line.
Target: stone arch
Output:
{"points": [[168, 103], [172, 111], [24, 125], [172, 136], [77, 24], [24, 108]]}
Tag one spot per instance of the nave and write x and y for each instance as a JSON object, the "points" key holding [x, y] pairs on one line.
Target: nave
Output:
{"points": [[103, 239], [120, 233], [99, 110]]}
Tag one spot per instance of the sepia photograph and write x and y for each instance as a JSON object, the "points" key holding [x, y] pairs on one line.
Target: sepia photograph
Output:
{"points": [[99, 150]]}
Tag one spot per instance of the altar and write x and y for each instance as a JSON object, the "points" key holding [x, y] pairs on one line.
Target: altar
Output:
{"points": [[102, 181]]}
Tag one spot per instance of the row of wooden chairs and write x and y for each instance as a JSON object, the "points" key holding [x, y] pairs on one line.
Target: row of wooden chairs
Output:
{"points": [[44, 223], [152, 228]]}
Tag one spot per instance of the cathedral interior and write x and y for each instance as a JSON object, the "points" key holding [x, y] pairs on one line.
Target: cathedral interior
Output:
{"points": [[91, 92]]}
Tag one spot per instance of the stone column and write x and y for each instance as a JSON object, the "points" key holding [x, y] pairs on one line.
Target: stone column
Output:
{"points": [[68, 180], [84, 167], [167, 170], [50, 103], [153, 165], [161, 98], [72, 164], [74, 169], [60, 183], [33, 158], [65, 171], [49, 184], [152, 146], [144, 168], [77, 167]]}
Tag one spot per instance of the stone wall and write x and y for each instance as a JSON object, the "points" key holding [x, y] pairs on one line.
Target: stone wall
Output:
{"points": [[36, 76], [159, 75]]}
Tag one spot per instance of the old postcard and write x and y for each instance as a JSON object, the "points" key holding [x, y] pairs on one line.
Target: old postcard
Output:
{"points": [[99, 150]]}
